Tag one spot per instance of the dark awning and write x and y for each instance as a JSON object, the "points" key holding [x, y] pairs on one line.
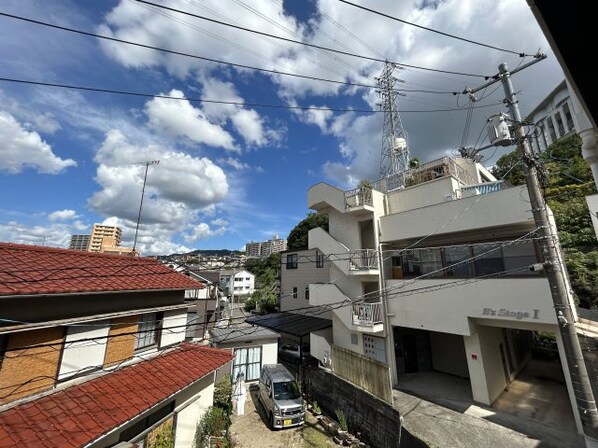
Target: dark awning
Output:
{"points": [[290, 323]]}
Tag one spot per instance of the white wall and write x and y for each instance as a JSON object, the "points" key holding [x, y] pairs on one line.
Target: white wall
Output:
{"points": [[270, 353], [189, 416], [173, 327], [422, 195], [319, 343], [487, 374], [525, 301], [77, 354], [305, 274], [508, 207]]}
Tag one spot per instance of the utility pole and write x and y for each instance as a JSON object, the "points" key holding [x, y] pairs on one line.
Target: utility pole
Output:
{"points": [[147, 164], [552, 264]]}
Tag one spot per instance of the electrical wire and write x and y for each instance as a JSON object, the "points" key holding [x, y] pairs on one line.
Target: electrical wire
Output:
{"points": [[369, 58], [452, 36], [202, 100]]}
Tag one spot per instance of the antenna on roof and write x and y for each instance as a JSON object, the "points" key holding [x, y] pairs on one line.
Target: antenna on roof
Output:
{"points": [[147, 164]]}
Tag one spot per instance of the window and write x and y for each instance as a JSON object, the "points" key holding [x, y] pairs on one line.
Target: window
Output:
{"points": [[294, 292], [488, 259], [307, 293], [292, 260], [431, 262], [411, 263], [559, 123], [248, 361], [519, 256], [456, 266], [543, 136], [568, 117], [551, 129], [147, 331], [319, 260]]}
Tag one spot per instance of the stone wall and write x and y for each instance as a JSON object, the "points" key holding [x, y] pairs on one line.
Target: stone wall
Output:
{"points": [[378, 423]]}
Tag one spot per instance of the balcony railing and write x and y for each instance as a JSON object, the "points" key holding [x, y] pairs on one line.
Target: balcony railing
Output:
{"points": [[486, 187], [367, 314], [363, 259], [359, 196]]}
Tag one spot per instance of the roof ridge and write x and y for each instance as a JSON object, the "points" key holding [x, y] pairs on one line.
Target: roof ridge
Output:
{"points": [[80, 253]]}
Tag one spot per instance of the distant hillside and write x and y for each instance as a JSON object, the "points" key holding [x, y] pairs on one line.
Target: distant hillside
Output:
{"points": [[207, 253]]}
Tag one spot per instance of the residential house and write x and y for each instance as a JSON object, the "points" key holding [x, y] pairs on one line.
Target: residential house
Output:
{"points": [[442, 274], [253, 346], [239, 283], [92, 351]]}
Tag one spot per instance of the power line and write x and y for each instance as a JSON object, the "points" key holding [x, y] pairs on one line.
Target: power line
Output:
{"points": [[261, 33], [442, 33], [233, 103]]}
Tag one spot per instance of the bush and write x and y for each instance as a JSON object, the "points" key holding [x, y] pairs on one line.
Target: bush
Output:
{"points": [[215, 422], [223, 391], [342, 420]]}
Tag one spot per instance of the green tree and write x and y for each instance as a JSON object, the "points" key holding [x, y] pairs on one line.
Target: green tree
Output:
{"points": [[567, 181], [266, 277], [297, 238]]}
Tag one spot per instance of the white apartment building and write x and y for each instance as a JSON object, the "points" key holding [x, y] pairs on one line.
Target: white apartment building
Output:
{"points": [[436, 274], [552, 118], [265, 248], [80, 242]]}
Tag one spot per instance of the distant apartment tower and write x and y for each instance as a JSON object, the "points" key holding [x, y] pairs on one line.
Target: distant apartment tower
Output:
{"points": [[104, 235], [80, 242], [265, 248]]}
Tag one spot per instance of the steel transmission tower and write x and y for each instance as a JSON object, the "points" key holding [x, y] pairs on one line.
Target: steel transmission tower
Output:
{"points": [[395, 153]]}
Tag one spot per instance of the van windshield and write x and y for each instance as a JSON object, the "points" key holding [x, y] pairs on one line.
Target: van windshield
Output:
{"points": [[286, 390]]}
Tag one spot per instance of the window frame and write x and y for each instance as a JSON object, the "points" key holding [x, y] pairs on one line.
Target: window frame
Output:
{"points": [[154, 335], [292, 261]]}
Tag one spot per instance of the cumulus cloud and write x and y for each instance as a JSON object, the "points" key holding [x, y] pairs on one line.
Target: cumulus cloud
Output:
{"points": [[62, 215], [177, 188], [23, 149], [180, 118]]}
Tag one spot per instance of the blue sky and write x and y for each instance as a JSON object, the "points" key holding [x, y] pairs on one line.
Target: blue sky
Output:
{"points": [[236, 172]]}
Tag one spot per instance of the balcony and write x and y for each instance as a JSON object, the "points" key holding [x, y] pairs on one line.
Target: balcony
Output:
{"points": [[367, 316], [363, 260], [484, 188]]}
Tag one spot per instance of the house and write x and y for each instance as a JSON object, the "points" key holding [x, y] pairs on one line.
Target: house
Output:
{"points": [[441, 275], [93, 351], [239, 282], [252, 346]]}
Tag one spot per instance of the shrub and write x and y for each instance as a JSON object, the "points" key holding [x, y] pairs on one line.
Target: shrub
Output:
{"points": [[342, 421]]}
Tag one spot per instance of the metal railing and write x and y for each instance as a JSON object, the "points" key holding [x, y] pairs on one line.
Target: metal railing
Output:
{"points": [[363, 259], [486, 187], [367, 313], [359, 196]]}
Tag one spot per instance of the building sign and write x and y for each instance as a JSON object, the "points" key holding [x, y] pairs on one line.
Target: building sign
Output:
{"points": [[513, 314]]}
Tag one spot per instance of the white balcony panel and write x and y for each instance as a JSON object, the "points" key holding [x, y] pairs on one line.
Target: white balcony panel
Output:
{"points": [[323, 195], [508, 302], [508, 207]]}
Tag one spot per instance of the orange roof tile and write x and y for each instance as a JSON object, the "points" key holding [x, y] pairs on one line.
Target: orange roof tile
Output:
{"points": [[26, 270], [80, 414]]}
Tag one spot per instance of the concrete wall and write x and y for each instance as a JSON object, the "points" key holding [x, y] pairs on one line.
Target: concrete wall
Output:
{"points": [[173, 327], [508, 207], [522, 301], [189, 415], [421, 195], [486, 370]]}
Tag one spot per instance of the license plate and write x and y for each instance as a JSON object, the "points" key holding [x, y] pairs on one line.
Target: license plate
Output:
{"points": [[287, 422]]}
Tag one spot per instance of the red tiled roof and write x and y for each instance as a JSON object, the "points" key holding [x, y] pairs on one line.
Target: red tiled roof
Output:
{"points": [[26, 269], [80, 414]]}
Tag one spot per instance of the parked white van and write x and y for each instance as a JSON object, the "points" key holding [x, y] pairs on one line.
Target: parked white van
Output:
{"points": [[280, 395]]}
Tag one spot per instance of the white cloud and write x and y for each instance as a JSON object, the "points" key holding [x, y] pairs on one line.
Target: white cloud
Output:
{"points": [[180, 118], [177, 189], [62, 215], [236, 164], [54, 234], [203, 231], [23, 149]]}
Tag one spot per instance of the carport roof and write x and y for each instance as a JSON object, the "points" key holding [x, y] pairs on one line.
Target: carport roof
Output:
{"points": [[290, 323]]}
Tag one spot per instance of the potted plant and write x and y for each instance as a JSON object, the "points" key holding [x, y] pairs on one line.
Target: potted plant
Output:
{"points": [[315, 408]]}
